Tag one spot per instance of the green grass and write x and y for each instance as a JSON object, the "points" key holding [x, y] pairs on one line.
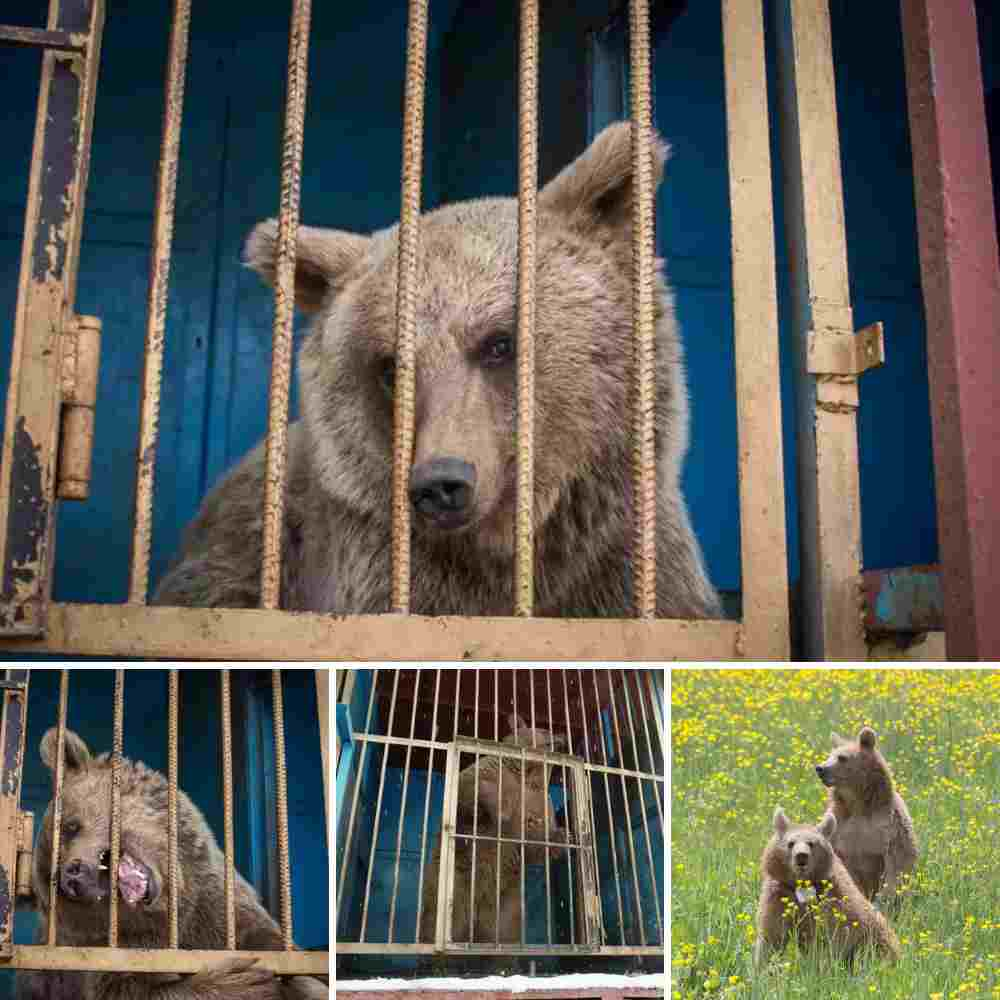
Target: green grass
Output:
{"points": [[746, 741]]}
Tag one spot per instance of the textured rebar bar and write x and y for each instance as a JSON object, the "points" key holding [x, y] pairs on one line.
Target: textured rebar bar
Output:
{"points": [[227, 807], [643, 318], [281, 796], [284, 306], [527, 128], [116, 807], [156, 309], [57, 806], [406, 301], [173, 707]]}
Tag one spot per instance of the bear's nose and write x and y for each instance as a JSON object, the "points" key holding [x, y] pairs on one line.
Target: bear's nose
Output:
{"points": [[442, 490], [801, 859], [819, 770], [76, 878]]}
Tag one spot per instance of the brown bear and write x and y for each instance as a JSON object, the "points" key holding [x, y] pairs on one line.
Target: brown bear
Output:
{"points": [[875, 837], [808, 892], [462, 482], [83, 884], [498, 802]]}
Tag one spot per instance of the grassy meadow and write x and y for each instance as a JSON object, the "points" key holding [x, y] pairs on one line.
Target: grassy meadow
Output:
{"points": [[746, 741]]}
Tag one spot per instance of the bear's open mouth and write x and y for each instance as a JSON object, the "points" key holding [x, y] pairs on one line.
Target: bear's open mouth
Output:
{"points": [[135, 881]]}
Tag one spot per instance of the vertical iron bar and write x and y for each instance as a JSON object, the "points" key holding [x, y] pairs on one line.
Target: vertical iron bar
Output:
{"points": [[590, 781], [628, 816], [57, 806], [284, 306], [173, 700], [402, 808], [527, 130], [545, 817], [406, 301], [116, 807], [227, 807], [156, 307], [378, 806], [475, 813], [499, 857], [643, 317], [569, 839], [281, 794], [354, 802], [427, 804]]}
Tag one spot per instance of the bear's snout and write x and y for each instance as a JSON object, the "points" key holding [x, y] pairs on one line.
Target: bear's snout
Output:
{"points": [[801, 859], [823, 774], [442, 490], [82, 881]]}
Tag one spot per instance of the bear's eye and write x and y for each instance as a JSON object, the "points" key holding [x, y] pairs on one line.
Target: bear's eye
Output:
{"points": [[841, 757], [71, 828], [387, 374], [497, 350]]}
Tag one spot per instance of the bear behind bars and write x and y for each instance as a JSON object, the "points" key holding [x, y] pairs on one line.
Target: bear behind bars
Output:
{"points": [[83, 883], [462, 482]]}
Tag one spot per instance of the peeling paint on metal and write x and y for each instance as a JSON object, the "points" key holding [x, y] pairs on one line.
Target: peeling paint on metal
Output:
{"points": [[12, 745], [6, 901], [28, 518]]}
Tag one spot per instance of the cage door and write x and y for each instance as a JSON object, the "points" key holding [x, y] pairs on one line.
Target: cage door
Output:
{"points": [[16, 828], [53, 360]]}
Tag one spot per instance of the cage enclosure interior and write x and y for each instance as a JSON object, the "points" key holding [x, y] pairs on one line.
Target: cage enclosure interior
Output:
{"points": [[499, 820]]}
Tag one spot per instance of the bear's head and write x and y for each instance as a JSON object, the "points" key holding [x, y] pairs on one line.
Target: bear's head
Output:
{"points": [[851, 763], [799, 852], [83, 874], [464, 470], [522, 735]]}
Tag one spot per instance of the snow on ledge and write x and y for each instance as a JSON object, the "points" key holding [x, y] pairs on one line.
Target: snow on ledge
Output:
{"points": [[514, 984]]}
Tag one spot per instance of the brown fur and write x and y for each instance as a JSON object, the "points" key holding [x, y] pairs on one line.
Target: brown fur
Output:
{"points": [[498, 801], [780, 914], [337, 522], [200, 879], [875, 837]]}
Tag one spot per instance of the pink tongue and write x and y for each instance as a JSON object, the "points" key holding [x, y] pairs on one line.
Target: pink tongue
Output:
{"points": [[132, 880]]}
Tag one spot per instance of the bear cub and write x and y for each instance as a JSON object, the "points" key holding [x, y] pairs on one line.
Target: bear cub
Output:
{"points": [[874, 836], [83, 884], [807, 892]]}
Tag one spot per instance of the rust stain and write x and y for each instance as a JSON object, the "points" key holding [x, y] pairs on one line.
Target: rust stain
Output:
{"points": [[12, 745], [28, 516], [6, 901]]}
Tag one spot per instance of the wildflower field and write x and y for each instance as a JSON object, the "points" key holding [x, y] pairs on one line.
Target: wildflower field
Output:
{"points": [[746, 741]]}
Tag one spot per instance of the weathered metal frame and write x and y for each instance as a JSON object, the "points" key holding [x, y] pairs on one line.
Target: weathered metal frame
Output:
{"points": [[171, 958], [586, 876], [763, 633]]}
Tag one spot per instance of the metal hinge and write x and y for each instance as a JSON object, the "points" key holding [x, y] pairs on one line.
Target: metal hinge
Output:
{"points": [[839, 352], [81, 356], [25, 858]]}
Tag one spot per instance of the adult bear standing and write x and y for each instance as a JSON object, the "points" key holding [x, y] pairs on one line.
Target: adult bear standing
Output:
{"points": [[463, 478], [83, 884]]}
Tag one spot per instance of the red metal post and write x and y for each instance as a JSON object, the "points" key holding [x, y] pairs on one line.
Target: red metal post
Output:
{"points": [[961, 287]]}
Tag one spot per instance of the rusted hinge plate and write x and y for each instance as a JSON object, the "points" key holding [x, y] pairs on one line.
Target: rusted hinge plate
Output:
{"points": [[81, 355], [839, 352]]}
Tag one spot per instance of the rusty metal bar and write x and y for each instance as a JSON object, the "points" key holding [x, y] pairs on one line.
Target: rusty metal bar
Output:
{"points": [[378, 806], [607, 798], [830, 504], [527, 215], [15, 827], [116, 807], [163, 960], [46, 296], [475, 809], [499, 848], [628, 817], [284, 306], [590, 798], [643, 317], [763, 555], [281, 796], [156, 308], [173, 875], [123, 630], [406, 301], [443, 926], [227, 806], [402, 808], [961, 289], [71, 42], [427, 799], [354, 802], [57, 806], [545, 817], [569, 853]]}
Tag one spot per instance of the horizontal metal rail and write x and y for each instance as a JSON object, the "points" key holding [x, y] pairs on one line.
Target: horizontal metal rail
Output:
{"points": [[183, 960], [117, 630], [489, 948], [54, 41]]}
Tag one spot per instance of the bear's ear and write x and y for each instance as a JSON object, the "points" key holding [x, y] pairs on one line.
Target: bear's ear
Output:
{"points": [[837, 740], [828, 826], [76, 756], [323, 261], [867, 738], [515, 723], [596, 188], [780, 822]]}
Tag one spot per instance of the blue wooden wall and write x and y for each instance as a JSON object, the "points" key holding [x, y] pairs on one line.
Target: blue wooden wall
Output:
{"points": [[199, 756], [219, 315]]}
